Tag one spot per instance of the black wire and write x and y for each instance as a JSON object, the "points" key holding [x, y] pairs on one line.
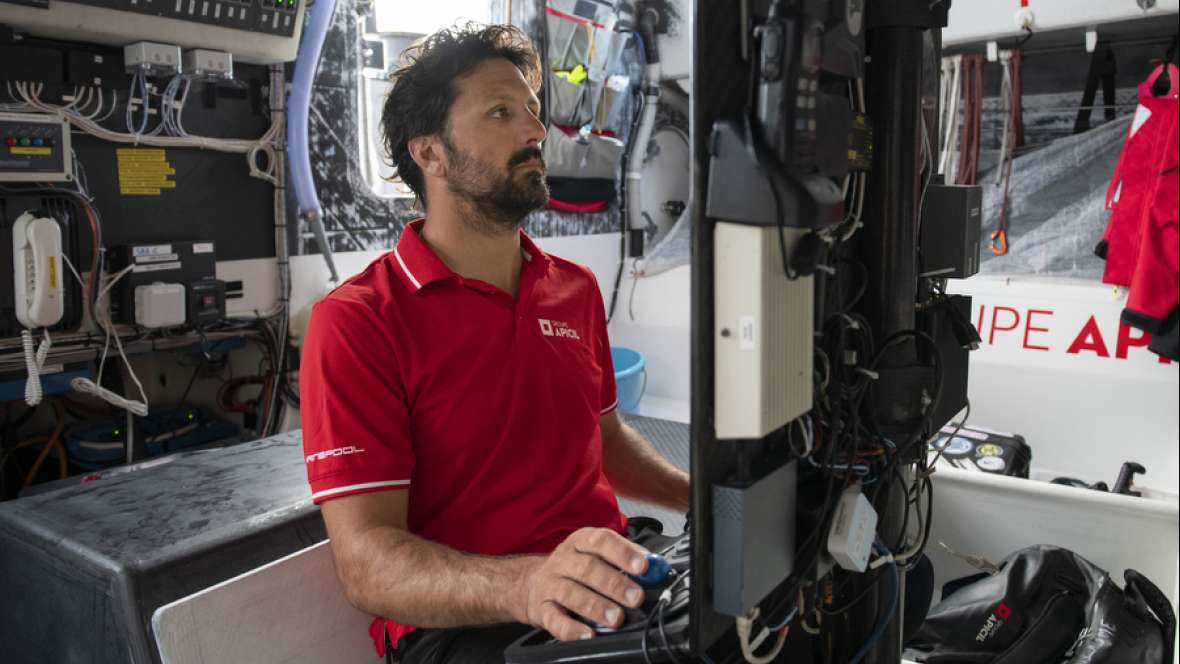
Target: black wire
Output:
{"points": [[637, 98], [913, 561], [664, 634], [843, 440], [192, 379], [769, 171], [896, 339], [905, 520], [614, 296], [1024, 40], [646, 628], [847, 606], [864, 284]]}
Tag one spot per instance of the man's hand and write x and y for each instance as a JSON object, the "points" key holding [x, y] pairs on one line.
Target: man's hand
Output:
{"points": [[583, 576]]}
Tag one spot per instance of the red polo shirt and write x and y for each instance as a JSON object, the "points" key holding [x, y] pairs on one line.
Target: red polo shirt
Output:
{"points": [[483, 406]]}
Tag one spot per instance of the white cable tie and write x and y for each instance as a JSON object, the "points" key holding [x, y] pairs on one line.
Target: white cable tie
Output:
{"points": [[873, 375]]}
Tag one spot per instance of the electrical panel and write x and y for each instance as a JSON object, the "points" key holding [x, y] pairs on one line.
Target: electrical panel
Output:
{"points": [[34, 148], [175, 263], [254, 31], [764, 324]]}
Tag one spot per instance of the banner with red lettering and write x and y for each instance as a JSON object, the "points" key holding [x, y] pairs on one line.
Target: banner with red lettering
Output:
{"points": [[1057, 366]]}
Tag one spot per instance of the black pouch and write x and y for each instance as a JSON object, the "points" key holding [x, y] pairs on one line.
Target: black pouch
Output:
{"points": [[1037, 600], [1135, 624], [1048, 604]]}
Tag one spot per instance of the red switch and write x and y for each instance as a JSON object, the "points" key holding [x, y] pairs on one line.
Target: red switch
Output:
{"points": [[10, 141]]}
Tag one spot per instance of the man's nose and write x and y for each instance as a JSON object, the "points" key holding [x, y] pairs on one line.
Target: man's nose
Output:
{"points": [[535, 131]]}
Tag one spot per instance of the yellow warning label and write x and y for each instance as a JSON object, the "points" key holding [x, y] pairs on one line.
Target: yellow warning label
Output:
{"points": [[43, 152], [144, 171], [146, 154], [52, 271], [141, 182]]}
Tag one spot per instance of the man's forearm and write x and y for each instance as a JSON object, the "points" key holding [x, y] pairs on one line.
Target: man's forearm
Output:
{"points": [[637, 470], [393, 573]]}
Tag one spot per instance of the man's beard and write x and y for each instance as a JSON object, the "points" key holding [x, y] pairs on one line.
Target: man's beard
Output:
{"points": [[496, 200]]}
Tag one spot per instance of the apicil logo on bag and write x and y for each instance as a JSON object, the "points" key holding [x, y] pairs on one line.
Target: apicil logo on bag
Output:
{"points": [[994, 622]]}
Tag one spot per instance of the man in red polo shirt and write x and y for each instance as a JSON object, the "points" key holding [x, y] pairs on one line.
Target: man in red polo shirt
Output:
{"points": [[458, 399]]}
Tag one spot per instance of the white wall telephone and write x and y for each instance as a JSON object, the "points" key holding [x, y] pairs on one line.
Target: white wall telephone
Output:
{"points": [[38, 272]]}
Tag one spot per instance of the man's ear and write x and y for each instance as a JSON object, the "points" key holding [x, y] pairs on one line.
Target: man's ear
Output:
{"points": [[427, 152]]}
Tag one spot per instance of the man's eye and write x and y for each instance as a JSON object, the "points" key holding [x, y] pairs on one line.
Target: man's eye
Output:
{"points": [[499, 112]]}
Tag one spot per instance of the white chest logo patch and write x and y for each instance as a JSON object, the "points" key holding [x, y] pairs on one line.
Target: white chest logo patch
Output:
{"points": [[556, 328]]}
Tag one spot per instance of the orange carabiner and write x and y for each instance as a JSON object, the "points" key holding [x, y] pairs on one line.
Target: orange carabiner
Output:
{"points": [[1001, 248]]}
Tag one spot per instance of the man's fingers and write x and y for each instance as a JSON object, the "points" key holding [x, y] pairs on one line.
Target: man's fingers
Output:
{"points": [[613, 548], [582, 577], [590, 571], [587, 603], [561, 626]]}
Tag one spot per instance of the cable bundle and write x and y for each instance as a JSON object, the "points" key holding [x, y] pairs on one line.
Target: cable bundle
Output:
{"points": [[266, 144], [102, 316]]}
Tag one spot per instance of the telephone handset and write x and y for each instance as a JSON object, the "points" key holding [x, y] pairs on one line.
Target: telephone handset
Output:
{"points": [[37, 271]]}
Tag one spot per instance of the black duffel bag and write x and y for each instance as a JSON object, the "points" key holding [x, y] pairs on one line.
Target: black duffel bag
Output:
{"points": [[1048, 605]]}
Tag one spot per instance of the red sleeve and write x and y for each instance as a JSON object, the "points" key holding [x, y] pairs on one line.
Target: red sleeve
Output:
{"points": [[609, 399], [356, 433]]}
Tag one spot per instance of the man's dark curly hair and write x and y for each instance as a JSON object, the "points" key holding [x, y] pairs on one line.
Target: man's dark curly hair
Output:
{"points": [[424, 86]]}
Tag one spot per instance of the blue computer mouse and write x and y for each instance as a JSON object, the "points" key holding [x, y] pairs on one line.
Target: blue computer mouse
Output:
{"points": [[657, 571]]}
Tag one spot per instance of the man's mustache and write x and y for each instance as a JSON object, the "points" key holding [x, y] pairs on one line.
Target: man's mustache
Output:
{"points": [[525, 155]]}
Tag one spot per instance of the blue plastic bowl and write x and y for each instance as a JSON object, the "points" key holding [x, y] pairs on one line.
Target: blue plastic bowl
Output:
{"points": [[630, 376]]}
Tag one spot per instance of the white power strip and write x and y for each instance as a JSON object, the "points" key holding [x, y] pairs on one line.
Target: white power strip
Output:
{"points": [[853, 530]]}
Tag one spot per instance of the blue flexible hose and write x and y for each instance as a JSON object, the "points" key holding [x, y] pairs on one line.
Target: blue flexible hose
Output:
{"points": [[315, 30]]}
